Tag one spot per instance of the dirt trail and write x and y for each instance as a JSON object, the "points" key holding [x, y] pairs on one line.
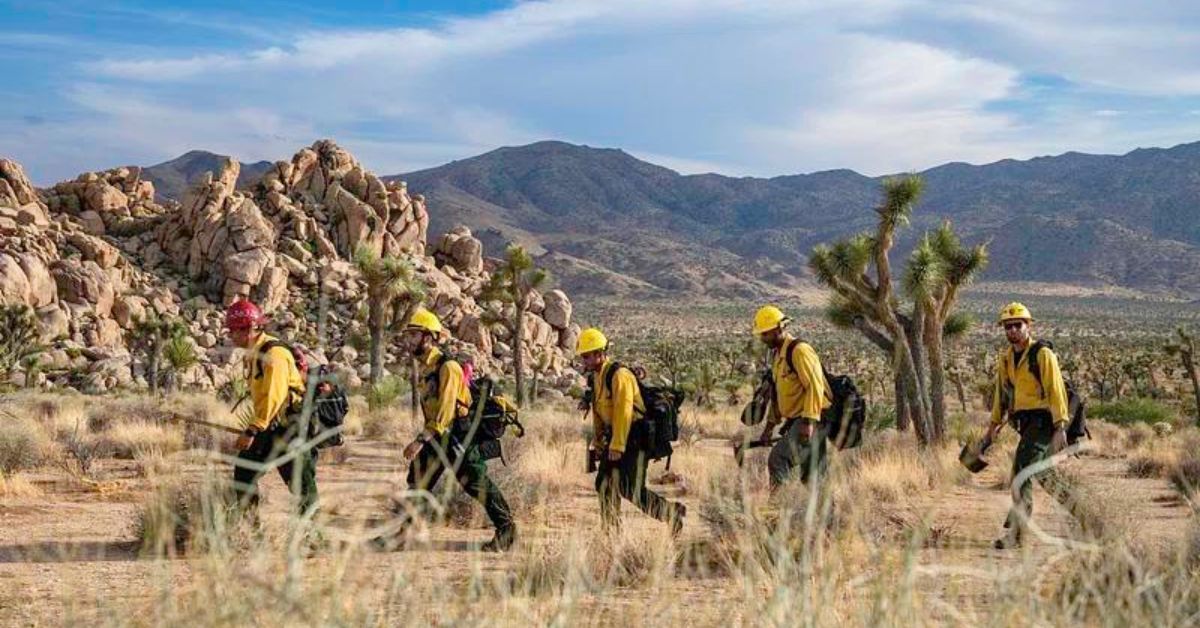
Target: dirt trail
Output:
{"points": [[81, 540]]}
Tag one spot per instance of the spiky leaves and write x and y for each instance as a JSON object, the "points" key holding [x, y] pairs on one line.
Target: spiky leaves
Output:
{"points": [[390, 281], [18, 335]]}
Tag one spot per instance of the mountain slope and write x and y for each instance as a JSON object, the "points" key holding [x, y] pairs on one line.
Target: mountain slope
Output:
{"points": [[1130, 221], [172, 178]]}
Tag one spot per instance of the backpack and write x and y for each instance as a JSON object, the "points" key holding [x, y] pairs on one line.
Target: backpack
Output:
{"points": [[847, 414], [759, 406], [1077, 423], [329, 407], [661, 416], [487, 418]]}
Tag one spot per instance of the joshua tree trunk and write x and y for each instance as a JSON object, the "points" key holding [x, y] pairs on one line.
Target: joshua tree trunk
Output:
{"points": [[937, 376], [519, 349], [376, 323], [903, 414], [152, 364]]}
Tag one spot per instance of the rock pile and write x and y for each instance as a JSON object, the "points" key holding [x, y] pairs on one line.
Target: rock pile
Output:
{"points": [[94, 255]]}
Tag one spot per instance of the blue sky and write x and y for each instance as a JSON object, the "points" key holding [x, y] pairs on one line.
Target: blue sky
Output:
{"points": [[741, 87]]}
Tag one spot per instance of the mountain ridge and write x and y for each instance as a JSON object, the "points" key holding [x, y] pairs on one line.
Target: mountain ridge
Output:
{"points": [[1130, 221]]}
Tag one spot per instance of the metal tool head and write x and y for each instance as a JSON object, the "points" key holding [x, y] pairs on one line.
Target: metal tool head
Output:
{"points": [[971, 455]]}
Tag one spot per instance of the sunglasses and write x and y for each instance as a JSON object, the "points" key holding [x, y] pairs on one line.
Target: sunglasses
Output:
{"points": [[1014, 326]]}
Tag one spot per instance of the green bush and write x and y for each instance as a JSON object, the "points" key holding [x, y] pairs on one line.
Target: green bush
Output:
{"points": [[389, 389], [880, 416], [1132, 410]]}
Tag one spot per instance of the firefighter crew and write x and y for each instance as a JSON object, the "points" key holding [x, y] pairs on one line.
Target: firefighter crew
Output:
{"points": [[445, 397], [1037, 411], [277, 397], [801, 395], [620, 438]]}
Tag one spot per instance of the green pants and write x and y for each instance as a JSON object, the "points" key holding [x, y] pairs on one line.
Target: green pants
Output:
{"points": [[472, 475], [1037, 432], [299, 474], [626, 478], [811, 456]]}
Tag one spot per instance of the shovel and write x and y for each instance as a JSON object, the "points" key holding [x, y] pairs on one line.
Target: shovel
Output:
{"points": [[971, 456]]}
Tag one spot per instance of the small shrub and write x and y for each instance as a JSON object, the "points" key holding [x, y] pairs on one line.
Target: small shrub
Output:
{"points": [[1132, 410], [22, 445], [1186, 474], [385, 393], [880, 416], [82, 451], [180, 517]]}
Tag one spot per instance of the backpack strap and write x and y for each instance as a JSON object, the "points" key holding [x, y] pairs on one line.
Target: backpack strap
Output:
{"points": [[787, 356], [611, 374], [262, 353], [435, 378], [788, 349], [1035, 368], [608, 377]]}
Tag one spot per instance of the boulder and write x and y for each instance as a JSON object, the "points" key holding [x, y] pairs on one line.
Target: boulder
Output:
{"points": [[558, 309]]}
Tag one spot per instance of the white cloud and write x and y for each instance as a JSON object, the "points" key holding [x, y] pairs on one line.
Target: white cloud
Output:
{"points": [[744, 87]]}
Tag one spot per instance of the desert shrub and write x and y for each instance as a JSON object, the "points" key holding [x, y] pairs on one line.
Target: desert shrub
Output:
{"points": [[1186, 473], [1132, 410], [22, 445], [386, 392], [183, 516]]}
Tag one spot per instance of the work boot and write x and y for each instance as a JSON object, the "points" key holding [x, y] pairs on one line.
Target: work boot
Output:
{"points": [[677, 515], [503, 540], [1011, 540]]}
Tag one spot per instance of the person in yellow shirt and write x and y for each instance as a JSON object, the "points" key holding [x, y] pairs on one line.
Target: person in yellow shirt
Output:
{"points": [[445, 397], [1037, 409], [620, 437], [801, 396], [277, 397]]}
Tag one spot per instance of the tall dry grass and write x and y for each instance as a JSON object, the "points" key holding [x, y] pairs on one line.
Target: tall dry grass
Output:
{"points": [[857, 552]]}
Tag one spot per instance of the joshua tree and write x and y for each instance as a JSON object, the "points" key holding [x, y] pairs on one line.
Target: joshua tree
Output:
{"points": [[389, 279], [514, 282], [859, 271], [18, 336], [149, 335], [1185, 348], [180, 354]]}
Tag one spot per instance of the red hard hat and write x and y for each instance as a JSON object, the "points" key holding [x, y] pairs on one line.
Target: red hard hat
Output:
{"points": [[243, 314]]}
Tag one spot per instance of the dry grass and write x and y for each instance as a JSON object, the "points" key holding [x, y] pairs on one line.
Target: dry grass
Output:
{"points": [[128, 440], [16, 485], [23, 444], [796, 559]]}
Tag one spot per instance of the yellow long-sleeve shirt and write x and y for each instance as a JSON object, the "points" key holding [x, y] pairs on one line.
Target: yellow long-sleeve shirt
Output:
{"points": [[803, 392], [616, 409], [444, 394], [1026, 394], [275, 382]]}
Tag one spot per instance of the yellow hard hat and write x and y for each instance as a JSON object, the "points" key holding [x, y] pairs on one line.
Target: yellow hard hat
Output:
{"points": [[768, 317], [1015, 311], [590, 340], [425, 320]]}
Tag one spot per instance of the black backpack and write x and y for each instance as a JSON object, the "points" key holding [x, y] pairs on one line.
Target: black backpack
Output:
{"points": [[488, 417], [661, 417], [1077, 424], [330, 406], [847, 414]]}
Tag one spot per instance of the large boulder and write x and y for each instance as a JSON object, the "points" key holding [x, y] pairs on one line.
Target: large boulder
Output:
{"points": [[84, 284], [42, 290], [461, 250], [14, 283], [558, 309]]}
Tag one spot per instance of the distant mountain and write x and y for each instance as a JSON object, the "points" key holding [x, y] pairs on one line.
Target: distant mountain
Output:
{"points": [[172, 178], [607, 222]]}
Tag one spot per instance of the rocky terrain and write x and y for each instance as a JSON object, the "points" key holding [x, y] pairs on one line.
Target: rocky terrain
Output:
{"points": [[94, 255]]}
